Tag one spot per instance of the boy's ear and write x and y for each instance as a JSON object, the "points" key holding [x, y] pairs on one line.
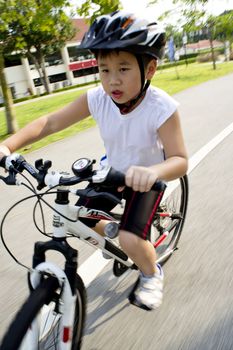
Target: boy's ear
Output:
{"points": [[151, 69]]}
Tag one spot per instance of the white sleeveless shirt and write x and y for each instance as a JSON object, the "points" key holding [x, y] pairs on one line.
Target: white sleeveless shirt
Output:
{"points": [[131, 139]]}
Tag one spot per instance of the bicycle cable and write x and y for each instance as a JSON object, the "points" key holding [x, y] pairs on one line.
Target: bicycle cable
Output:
{"points": [[1, 229], [38, 202], [33, 189]]}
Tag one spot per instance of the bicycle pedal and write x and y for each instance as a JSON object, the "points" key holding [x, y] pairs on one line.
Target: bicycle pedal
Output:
{"points": [[141, 306], [131, 296], [119, 268]]}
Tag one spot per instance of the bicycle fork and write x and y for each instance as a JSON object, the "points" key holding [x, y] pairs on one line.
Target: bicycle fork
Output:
{"points": [[65, 303]]}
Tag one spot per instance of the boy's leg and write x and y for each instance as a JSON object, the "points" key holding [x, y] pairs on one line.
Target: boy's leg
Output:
{"points": [[148, 291], [139, 250], [134, 233]]}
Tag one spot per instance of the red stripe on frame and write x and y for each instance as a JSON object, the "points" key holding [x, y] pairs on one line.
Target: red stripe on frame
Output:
{"points": [[161, 239], [126, 214], [66, 334], [145, 231]]}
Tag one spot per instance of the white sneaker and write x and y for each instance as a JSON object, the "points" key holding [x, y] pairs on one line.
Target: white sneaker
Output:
{"points": [[150, 290]]}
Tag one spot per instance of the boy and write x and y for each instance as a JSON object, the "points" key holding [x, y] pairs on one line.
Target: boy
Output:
{"points": [[139, 125]]}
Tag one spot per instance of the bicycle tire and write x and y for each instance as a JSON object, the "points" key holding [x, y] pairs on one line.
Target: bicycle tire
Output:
{"points": [[45, 294], [176, 203]]}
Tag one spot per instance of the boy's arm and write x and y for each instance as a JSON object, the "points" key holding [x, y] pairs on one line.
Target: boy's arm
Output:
{"points": [[176, 163], [142, 178], [46, 125]]}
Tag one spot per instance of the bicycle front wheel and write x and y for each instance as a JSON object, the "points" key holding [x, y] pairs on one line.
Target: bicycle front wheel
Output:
{"points": [[45, 300], [169, 219]]}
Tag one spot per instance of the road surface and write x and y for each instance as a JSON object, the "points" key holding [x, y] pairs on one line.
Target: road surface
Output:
{"points": [[197, 312]]}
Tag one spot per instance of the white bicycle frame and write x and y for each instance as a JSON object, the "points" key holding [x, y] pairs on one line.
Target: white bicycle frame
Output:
{"points": [[45, 319], [85, 233], [60, 228]]}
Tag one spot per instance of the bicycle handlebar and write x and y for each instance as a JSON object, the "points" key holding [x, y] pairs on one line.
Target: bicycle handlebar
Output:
{"points": [[82, 169]]}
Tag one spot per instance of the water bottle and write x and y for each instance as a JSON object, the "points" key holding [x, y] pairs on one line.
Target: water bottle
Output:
{"points": [[111, 230]]}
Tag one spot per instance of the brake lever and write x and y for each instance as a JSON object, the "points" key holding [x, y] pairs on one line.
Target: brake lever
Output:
{"points": [[10, 179], [91, 193]]}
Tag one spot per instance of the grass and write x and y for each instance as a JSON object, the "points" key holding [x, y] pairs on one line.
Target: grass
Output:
{"points": [[171, 80], [192, 75]]}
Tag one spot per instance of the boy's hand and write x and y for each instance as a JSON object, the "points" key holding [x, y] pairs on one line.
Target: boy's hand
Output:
{"points": [[140, 178], [4, 151]]}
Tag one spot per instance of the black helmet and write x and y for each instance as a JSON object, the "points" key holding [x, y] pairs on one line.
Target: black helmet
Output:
{"points": [[122, 30]]}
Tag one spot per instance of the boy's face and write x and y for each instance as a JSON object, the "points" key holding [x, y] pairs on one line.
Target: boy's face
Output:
{"points": [[120, 76]]}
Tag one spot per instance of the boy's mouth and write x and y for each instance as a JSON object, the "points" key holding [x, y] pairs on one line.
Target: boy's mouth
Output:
{"points": [[116, 94]]}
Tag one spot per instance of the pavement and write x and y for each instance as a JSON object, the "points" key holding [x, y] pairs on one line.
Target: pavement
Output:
{"points": [[197, 312]]}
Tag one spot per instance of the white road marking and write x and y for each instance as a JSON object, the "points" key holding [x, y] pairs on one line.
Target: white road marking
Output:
{"points": [[205, 150], [92, 266]]}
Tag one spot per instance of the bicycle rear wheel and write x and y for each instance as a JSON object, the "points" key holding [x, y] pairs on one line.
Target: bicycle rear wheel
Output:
{"points": [[169, 219], [45, 298]]}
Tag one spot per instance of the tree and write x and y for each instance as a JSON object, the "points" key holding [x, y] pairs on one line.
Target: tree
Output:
{"points": [[217, 26], [34, 28], [224, 26], [47, 29], [194, 17], [92, 9], [11, 121], [8, 43]]}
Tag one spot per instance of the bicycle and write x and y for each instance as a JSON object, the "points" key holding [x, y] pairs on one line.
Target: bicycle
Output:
{"points": [[53, 315]]}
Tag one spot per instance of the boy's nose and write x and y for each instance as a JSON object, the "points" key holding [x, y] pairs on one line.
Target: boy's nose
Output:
{"points": [[114, 80]]}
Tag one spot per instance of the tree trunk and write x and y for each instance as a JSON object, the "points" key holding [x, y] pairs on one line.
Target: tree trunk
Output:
{"points": [[11, 121], [40, 67], [212, 54], [212, 47], [45, 76]]}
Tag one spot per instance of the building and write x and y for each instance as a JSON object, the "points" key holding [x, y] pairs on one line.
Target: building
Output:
{"points": [[200, 46], [70, 66]]}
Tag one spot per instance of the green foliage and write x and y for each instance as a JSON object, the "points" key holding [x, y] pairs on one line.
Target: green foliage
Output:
{"points": [[9, 21], [47, 27], [189, 55], [27, 25], [178, 63], [224, 26], [191, 2], [36, 28], [94, 8]]}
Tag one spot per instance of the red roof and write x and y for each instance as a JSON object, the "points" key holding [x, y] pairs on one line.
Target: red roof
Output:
{"points": [[82, 26], [204, 44]]}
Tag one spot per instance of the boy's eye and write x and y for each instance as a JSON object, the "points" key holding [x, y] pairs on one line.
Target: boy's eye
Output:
{"points": [[104, 70], [123, 69]]}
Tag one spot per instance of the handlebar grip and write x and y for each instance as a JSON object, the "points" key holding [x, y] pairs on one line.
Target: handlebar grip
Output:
{"points": [[118, 179], [159, 186], [115, 178]]}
